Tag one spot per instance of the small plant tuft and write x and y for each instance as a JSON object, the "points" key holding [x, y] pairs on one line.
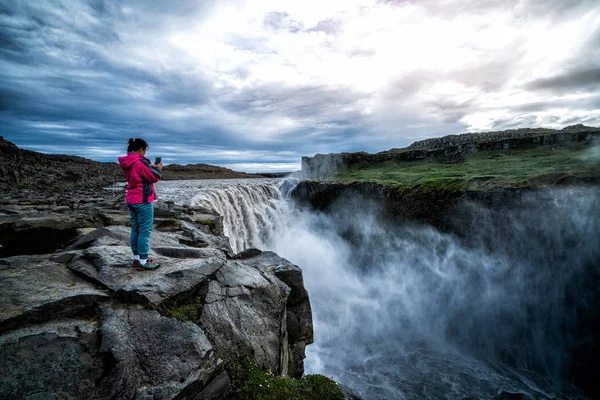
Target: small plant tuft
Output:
{"points": [[169, 223], [250, 382], [208, 222]]}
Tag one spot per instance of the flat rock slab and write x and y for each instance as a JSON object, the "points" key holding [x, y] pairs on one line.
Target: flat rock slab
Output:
{"points": [[156, 357], [36, 289], [104, 256], [111, 267], [119, 236], [54, 360], [47, 220]]}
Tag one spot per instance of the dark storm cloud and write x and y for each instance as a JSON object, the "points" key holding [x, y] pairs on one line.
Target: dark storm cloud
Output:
{"points": [[581, 74], [577, 80], [326, 116], [57, 72], [587, 103]]}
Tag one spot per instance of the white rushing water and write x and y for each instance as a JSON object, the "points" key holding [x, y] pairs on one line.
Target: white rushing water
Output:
{"points": [[409, 312]]}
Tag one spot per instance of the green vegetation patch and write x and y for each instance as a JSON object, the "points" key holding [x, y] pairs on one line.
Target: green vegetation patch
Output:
{"points": [[516, 167], [190, 310], [252, 383], [169, 224], [208, 222]]}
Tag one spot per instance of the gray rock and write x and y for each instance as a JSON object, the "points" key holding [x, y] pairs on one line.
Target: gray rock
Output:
{"points": [[198, 238], [36, 289], [217, 389], [111, 267], [177, 252], [299, 313], [119, 236], [158, 358], [112, 217], [38, 234], [48, 220], [55, 360], [244, 316]]}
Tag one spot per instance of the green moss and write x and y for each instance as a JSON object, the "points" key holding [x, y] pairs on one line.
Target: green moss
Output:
{"points": [[479, 170], [170, 223], [175, 222], [208, 222], [191, 310], [251, 383]]}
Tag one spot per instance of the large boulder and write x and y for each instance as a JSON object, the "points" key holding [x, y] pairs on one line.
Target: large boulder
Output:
{"points": [[128, 354], [35, 289], [299, 313], [55, 360], [157, 357], [244, 315]]}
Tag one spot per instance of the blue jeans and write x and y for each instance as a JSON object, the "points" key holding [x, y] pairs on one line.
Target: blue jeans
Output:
{"points": [[142, 217]]}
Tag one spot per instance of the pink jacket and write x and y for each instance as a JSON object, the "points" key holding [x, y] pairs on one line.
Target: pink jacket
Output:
{"points": [[141, 176]]}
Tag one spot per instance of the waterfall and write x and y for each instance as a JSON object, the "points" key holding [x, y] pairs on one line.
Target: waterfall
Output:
{"points": [[251, 213], [410, 312]]}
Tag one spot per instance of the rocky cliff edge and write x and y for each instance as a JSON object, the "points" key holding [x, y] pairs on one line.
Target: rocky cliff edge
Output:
{"points": [[78, 321]]}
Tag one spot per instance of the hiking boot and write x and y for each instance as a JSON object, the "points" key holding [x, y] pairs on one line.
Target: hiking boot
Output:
{"points": [[135, 263], [150, 264]]}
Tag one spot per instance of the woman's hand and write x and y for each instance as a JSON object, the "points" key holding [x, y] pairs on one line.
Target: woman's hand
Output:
{"points": [[159, 165]]}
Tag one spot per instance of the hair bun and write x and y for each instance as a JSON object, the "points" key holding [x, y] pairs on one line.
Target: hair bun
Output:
{"points": [[131, 140]]}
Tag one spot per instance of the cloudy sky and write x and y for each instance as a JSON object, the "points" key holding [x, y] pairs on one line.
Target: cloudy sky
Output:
{"points": [[254, 85]]}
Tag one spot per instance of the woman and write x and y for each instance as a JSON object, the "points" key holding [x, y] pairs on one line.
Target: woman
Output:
{"points": [[141, 177]]}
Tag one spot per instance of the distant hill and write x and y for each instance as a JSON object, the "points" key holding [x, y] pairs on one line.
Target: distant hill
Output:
{"points": [[203, 171], [24, 169]]}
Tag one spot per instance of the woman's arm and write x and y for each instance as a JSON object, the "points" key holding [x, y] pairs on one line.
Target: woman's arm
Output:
{"points": [[151, 173]]}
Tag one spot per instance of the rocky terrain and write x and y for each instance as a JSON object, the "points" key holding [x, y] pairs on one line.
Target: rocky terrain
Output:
{"points": [[23, 169], [77, 321]]}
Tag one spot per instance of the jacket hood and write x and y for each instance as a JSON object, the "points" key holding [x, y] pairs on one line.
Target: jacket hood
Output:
{"points": [[127, 161]]}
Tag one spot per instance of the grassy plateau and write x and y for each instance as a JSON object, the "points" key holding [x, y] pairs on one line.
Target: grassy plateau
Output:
{"points": [[537, 165]]}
